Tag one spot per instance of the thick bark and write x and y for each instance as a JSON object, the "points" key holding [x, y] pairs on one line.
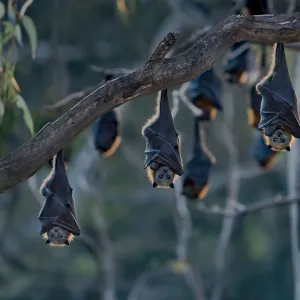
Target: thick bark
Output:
{"points": [[158, 73]]}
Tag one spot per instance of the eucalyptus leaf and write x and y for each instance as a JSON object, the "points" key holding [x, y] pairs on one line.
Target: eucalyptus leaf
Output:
{"points": [[20, 102], [2, 110], [30, 29], [18, 34], [11, 11], [2, 10], [9, 31]]}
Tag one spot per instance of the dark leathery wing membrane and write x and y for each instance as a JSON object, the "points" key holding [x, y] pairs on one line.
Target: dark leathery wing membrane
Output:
{"points": [[196, 177], [162, 140], [205, 93], [106, 133], [262, 154], [279, 106], [254, 107], [59, 208]]}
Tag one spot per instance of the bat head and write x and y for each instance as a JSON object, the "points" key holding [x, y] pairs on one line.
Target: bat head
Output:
{"points": [[280, 140], [57, 236], [164, 177]]}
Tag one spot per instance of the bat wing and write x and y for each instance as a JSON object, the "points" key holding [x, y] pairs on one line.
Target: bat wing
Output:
{"points": [[163, 151], [198, 169], [279, 104], [261, 153], [59, 183], [255, 100], [55, 213], [207, 85], [163, 124], [275, 110]]}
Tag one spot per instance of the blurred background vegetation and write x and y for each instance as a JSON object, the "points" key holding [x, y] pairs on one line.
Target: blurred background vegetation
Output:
{"points": [[129, 232]]}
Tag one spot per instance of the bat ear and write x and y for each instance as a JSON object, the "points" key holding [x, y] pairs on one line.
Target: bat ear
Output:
{"points": [[47, 242], [172, 186], [269, 146], [154, 184], [67, 243], [288, 148]]}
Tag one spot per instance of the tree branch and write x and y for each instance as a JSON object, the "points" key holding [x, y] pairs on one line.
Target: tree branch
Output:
{"points": [[244, 210], [153, 77]]}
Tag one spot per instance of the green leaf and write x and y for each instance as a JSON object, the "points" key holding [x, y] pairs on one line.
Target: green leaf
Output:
{"points": [[31, 32], [9, 31], [18, 34], [20, 102], [2, 10], [2, 110], [11, 11]]}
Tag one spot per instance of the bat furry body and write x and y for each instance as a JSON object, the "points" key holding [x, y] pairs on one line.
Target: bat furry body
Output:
{"points": [[205, 93], [106, 133], [163, 157], [279, 113], [195, 183], [58, 216]]}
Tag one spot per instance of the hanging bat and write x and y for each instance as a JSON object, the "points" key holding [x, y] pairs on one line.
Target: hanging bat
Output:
{"points": [[254, 107], [163, 156], [196, 177], [205, 93], [67, 155], [241, 66], [279, 113], [257, 7], [262, 154], [106, 133], [58, 216]]}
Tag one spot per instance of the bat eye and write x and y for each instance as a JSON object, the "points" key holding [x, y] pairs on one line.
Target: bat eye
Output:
{"points": [[168, 177], [160, 176], [52, 235], [60, 236], [282, 140], [274, 139]]}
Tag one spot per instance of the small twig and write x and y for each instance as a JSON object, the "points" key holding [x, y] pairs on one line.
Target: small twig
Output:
{"points": [[231, 203], [184, 229], [74, 97], [115, 72], [24, 7], [163, 48], [271, 7], [291, 7], [246, 209], [181, 94]]}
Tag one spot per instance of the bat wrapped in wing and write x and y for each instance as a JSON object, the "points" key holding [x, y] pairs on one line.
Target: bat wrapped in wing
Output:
{"points": [[106, 133], [241, 66], [279, 113], [196, 177], [58, 216], [163, 159], [262, 154], [205, 93]]}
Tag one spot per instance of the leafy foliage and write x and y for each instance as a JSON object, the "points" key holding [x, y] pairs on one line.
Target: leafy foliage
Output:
{"points": [[10, 35]]}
